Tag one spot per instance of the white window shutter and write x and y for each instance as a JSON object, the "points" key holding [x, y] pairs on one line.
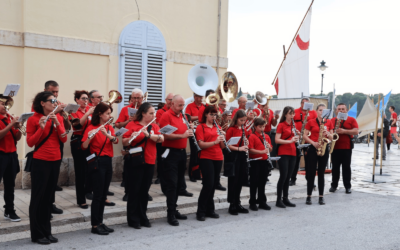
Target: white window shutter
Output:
{"points": [[132, 73], [154, 77]]}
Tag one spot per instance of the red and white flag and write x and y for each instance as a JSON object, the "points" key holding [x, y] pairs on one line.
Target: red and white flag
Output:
{"points": [[292, 79]]}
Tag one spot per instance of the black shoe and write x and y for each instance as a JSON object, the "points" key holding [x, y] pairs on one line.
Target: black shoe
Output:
{"points": [[157, 181], [42, 241], [332, 189], [220, 187], [107, 229], [109, 193], [149, 198], [145, 224], [376, 158], [192, 179], [280, 204], [242, 210], [125, 198], [264, 206], [308, 201], [384, 159], [55, 210], [123, 184], [58, 188], [292, 183], [52, 239], [12, 216], [253, 207], [212, 215], [348, 190], [89, 196], [172, 220], [288, 203], [233, 209], [200, 217], [185, 193], [135, 226], [86, 206], [180, 216], [51, 216], [110, 204], [99, 230], [321, 201]]}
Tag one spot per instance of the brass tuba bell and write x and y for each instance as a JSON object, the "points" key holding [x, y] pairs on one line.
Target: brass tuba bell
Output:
{"points": [[114, 97], [260, 98], [228, 89]]}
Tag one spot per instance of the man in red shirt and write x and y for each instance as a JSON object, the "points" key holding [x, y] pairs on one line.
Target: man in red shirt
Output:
{"points": [[135, 102], [299, 116], [393, 123], [174, 164], [9, 167], [95, 98], [342, 151]]}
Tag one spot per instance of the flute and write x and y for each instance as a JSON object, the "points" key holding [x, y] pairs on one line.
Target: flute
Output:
{"points": [[219, 132], [47, 118], [188, 127], [133, 138], [98, 129]]}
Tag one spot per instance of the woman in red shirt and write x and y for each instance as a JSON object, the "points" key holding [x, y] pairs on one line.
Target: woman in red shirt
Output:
{"points": [[45, 164], [84, 114], [239, 158], [314, 160], [259, 168], [286, 138], [140, 165], [211, 157], [101, 145]]}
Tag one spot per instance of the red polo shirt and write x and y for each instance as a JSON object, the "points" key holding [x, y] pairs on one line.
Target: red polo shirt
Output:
{"points": [[313, 127], [124, 114], [268, 126], [79, 114], [98, 141], [344, 140], [299, 116], [50, 150], [207, 134], [150, 152], [160, 112], [234, 112], [286, 132], [7, 143], [256, 141], [201, 111], [192, 109], [394, 118], [176, 121], [236, 131]]}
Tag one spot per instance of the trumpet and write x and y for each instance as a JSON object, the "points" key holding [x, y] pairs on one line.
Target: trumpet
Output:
{"points": [[219, 133], [47, 118], [98, 129], [133, 138], [8, 106]]}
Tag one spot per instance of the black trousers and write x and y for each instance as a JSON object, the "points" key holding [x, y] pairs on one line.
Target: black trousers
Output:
{"points": [[140, 177], [193, 161], [173, 171], [341, 157], [44, 176], [313, 161], [53, 198], [9, 168], [125, 178], [286, 167], [258, 179], [236, 182], [101, 182], [297, 166], [210, 170], [81, 171]]}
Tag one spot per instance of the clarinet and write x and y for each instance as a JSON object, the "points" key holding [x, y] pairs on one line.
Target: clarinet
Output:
{"points": [[295, 133], [219, 132], [245, 143], [188, 127], [265, 145]]}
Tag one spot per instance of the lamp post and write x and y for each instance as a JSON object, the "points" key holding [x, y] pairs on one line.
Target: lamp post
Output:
{"points": [[322, 67]]}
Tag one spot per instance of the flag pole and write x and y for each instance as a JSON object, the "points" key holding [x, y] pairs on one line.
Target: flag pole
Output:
{"points": [[375, 138], [381, 140], [287, 51]]}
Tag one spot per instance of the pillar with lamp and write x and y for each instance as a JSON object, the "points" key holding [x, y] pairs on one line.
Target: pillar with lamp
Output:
{"points": [[322, 67]]}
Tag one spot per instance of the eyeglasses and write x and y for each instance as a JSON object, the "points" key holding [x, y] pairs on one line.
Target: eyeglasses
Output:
{"points": [[100, 97], [85, 98], [51, 100], [213, 115], [137, 98]]}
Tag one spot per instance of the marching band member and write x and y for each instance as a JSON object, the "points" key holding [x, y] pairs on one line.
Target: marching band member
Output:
{"points": [[45, 164], [140, 174], [9, 165], [211, 157], [101, 144], [299, 116], [135, 102], [287, 140], [174, 164], [95, 98], [393, 123], [259, 168], [343, 149], [84, 114], [201, 110], [240, 177], [314, 160]]}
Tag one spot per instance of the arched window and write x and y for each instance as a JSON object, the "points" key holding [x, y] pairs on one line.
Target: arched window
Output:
{"points": [[142, 61]]}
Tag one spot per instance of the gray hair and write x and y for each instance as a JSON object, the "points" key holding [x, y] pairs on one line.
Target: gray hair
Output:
{"points": [[221, 101], [137, 91], [304, 98], [91, 94], [321, 105]]}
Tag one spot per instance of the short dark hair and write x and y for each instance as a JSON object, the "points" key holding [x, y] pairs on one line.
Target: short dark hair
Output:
{"points": [[160, 105], [342, 103], [239, 114], [79, 93], [304, 98], [209, 91], [207, 110], [259, 121], [50, 83], [286, 110], [100, 109], [40, 97], [144, 108], [393, 108]]}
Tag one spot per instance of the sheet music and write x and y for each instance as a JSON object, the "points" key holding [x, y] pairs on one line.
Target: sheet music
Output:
{"points": [[233, 140], [277, 112], [303, 146], [167, 130], [135, 150], [25, 116], [308, 106], [232, 108], [325, 113], [342, 116], [132, 111], [11, 90], [275, 158], [121, 131], [165, 153], [250, 105], [71, 108]]}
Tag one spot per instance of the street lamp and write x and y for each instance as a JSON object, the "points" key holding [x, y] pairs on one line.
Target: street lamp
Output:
{"points": [[322, 67]]}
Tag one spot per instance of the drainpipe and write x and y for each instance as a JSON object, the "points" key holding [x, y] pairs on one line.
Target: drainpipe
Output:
{"points": [[219, 33]]}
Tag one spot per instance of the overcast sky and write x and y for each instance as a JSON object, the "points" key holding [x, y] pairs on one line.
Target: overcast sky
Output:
{"points": [[358, 39]]}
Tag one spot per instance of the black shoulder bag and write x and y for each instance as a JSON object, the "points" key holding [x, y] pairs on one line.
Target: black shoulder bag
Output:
{"points": [[29, 156], [93, 164], [230, 161], [139, 156]]}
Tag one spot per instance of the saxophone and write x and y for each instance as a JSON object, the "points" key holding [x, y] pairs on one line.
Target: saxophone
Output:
{"points": [[335, 135], [321, 139]]}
